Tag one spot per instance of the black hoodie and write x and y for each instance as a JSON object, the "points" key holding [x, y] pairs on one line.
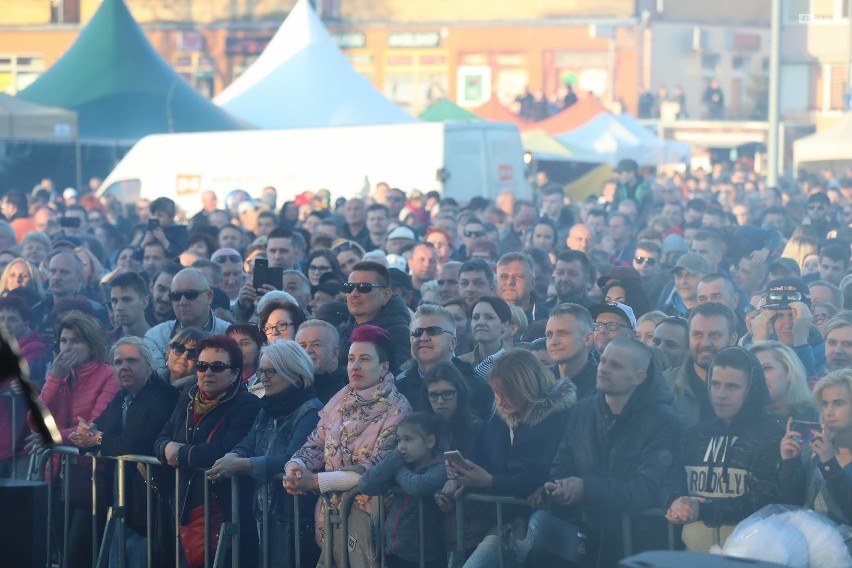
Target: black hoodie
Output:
{"points": [[395, 318], [733, 466]]}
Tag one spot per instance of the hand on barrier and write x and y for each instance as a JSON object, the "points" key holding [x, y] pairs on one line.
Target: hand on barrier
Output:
{"points": [[566, 491], [684, 510], [229, 465], [86, 435], [298, 479], [171, 452]]}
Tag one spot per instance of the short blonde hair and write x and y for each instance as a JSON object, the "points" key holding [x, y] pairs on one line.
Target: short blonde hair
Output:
{"points": [[798, 393], [843, 377]]}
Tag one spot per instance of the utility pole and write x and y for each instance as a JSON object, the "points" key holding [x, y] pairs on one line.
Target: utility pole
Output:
{"points": [[773, 164]]}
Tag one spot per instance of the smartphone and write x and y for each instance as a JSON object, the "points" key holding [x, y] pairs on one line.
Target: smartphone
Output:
{"points": [[70, 222], [261, 266], [806, 429], [455, 457], [153, 224]]}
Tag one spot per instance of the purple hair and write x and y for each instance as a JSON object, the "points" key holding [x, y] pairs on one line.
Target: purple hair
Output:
{"points": [[380, 338]]}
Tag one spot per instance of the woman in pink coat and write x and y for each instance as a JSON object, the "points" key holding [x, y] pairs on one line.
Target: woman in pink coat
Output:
{"points": [[357, 428], [80, 385]]}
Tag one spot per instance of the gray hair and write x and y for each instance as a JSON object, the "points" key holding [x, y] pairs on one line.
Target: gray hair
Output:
{"points": [[273, 296], [306, 284], [141, 346], [324, 325], [290, 361], [436, 310]]}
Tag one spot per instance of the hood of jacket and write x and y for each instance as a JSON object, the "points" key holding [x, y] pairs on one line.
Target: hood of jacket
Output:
{"points": [[562, 396], [757, 397], [654, 390], [395, 312]]}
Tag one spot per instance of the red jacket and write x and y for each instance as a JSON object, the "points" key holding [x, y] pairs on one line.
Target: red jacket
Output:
{"points": [[93, 390]]}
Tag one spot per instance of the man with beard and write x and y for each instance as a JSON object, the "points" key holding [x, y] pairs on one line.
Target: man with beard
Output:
{"points": [[838, 341], [712, 327], [572, 278]]}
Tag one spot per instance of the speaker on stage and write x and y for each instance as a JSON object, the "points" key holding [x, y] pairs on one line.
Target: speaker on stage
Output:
{"points": [[23, 523], [674, 559]]}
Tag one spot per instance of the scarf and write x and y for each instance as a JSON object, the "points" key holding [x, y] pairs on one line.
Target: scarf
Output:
{"points": [[202, 404], [284, 404]]}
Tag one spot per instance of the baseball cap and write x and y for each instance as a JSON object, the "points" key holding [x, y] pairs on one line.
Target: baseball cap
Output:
{"points": [[781, 291], [619, 273], [398, 262], [69, 193], [693, 262], [787, 265], [402, 233], [617, 308], [627, 165], [330, 283]]}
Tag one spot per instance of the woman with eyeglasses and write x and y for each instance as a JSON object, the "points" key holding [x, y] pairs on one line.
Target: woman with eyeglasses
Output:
{"points": [[210, 418], [280, 320], [349, 253], [357, 428], [181, 356], [449, 399], [816, 458], [289, 413], [250, 339], [321, 261]]}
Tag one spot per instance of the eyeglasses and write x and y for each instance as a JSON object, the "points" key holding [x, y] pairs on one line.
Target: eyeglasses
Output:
{"points": [[223, 258], [215, 366], [318, 268], [816, 206], [279, 327], [820, 318], [188, 294], [448, 394], [268, 373], [179, 349], [644, 259], [609, 326], [363, 287], [474, 234], [448, 282], [431, 331]]}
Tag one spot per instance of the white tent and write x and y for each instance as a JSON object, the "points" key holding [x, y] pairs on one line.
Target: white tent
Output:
{"points": [[831, 145], [667, 151], [302, 80]]}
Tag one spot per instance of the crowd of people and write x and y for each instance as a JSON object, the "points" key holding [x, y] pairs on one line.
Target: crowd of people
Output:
{"points": [[680, 343]]}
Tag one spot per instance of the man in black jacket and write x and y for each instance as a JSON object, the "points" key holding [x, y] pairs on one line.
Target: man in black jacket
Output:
{"points": [[129, 425], [320, 341], [617, 449], [433, 341], [370, 300]]}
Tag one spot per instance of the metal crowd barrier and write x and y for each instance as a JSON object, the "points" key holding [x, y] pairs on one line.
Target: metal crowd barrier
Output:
{"points": [[334, 514]]}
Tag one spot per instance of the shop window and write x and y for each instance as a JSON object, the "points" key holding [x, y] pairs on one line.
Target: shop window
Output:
{"points": [[65, 11]]}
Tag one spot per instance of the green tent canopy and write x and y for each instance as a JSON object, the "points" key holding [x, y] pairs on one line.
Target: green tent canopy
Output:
{"points": [[121, 88], [446, 109]]}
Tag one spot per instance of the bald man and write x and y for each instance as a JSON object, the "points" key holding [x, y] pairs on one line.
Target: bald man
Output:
{"points": [[191, 298], [580, 238]]}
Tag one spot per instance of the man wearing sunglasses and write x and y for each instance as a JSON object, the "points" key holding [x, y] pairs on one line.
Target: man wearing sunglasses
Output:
{"points": [[433, 341], [233, 272], [370, 300], [191, 299], [473, 230]]}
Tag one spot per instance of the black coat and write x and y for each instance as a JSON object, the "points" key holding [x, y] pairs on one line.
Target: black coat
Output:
{"points": [[231, 418], [146, 415], [409, 383], [622, 463], [394, 318], [326, 385]]}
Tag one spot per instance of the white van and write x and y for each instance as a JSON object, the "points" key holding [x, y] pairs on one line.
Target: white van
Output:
{"points": [[458, 159]]}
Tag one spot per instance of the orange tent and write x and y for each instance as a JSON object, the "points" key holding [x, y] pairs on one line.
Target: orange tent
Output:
{"points": [[572, 117], [496, 112]]}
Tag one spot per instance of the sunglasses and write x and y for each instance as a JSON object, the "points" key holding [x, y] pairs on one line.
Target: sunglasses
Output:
{"points": [[448, 394], [215, 366], [776, 296], [188, 294], [223, 258], [342, 248], [474, 234], [179, 349], [363, 287], [431, 331], [644, 259], [610, 326]]}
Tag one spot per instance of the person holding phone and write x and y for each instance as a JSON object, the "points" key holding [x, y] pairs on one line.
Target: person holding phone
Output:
{"points": [[816, 463]]}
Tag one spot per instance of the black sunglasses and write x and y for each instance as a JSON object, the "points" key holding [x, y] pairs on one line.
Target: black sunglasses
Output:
{"points": [[474, 234], [215, 366], [431, 331], [180, 349], [363, 287], [223, 258], [644, 259], [188, 294]]}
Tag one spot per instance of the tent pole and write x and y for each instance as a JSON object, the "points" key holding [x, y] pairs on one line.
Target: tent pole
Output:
{"points": [[773, 166], [78, 165]]}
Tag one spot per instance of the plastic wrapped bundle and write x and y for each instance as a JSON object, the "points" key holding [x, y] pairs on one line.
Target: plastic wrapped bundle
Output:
{"points": [[826, 546]]}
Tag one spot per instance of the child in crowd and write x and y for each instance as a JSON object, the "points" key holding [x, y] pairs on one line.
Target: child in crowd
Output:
{"points": [[413, 471]]}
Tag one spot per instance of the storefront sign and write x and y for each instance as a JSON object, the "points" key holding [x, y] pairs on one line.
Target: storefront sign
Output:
{"points": [[246, 45], [414, 39], [350, 40]]}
